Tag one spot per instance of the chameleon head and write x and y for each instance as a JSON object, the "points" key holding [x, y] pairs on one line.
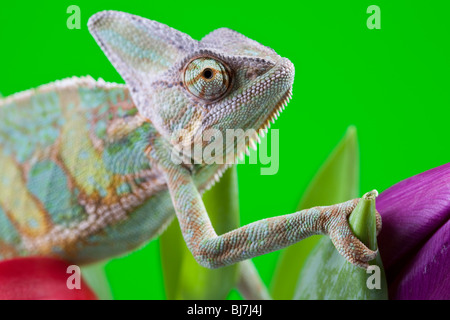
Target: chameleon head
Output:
{"points": [[196, 92]]}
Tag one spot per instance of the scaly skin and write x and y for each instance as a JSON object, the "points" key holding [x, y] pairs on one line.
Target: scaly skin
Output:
{"points": [[87, 168]]}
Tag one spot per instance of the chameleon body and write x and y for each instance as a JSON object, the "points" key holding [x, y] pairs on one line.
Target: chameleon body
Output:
{"points": [[87, 167], [81, 170]]}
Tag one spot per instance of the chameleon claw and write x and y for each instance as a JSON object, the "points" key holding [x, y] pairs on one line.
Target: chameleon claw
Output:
{"points": [[343, 238], [378, 222], [352, 249]]}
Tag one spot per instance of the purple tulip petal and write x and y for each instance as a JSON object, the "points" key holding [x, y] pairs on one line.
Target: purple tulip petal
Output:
{"points": [[427, 276], [414, 213]]}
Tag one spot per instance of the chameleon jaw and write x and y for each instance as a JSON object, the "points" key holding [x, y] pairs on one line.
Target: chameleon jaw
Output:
{"points": [[260, 133], [280, 75], [264, 128]]}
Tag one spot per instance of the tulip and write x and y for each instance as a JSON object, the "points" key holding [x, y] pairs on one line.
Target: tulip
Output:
{"points": [[39, 278], [415, 239]]}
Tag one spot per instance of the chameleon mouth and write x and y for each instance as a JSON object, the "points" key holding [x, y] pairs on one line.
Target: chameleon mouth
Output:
{"points": [[280, 75], [254, 140], [273, 116], [283, 74]]}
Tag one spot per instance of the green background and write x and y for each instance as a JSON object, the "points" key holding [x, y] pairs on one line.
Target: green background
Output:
{"points": [[392, 84]]}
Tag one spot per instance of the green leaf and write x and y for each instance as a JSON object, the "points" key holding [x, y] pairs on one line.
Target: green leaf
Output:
{"points": [[328, 275], [172, 250], [336, 181], [363, 220], [96, 278], [184, 277]]}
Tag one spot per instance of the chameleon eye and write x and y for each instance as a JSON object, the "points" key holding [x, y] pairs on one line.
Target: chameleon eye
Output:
{"points": [[206, 78]]}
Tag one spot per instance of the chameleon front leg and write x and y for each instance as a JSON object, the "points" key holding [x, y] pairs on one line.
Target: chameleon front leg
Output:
{"points": [[257, 238]]}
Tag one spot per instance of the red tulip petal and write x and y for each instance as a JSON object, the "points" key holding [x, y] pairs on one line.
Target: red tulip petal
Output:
{"points": [[36, 278]]}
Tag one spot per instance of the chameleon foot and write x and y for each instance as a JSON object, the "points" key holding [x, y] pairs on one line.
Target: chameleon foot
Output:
{"points": [[346, 243]]}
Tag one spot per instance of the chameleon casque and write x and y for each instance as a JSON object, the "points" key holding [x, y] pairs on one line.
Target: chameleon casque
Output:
{"points": [[85, 166]]}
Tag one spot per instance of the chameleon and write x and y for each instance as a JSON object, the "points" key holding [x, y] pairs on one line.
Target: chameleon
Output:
{"points": [[87, 167]]}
